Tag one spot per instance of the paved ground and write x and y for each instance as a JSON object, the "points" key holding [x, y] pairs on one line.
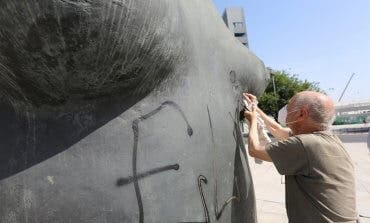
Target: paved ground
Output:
{"points": [[269, 185]]}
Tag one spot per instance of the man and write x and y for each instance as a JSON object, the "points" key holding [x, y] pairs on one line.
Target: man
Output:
{"points": [[319, 174]]}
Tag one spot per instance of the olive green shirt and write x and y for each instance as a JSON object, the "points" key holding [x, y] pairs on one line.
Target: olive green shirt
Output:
{"points": [[319, 178]]}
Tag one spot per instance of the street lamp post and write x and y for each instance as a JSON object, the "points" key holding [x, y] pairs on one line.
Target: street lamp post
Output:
{"points": [[272, 75]]}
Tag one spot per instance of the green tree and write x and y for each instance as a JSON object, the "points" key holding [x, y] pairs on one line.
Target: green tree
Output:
{"points": [[286, 85]]}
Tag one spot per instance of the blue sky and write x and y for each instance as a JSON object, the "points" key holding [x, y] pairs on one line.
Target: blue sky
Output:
{"points": [[319, 40]]}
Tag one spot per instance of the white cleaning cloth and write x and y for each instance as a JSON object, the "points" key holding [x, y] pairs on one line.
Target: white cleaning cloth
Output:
{"points": [[261, 127]]}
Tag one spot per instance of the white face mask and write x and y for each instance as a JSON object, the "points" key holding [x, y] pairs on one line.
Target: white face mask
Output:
{"points": [[282, 115]]}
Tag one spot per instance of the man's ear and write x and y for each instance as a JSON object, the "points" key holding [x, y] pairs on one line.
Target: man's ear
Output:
{"points": [[304, 113]]}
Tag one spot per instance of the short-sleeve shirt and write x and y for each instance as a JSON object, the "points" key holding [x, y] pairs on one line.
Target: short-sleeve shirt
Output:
{"points": [[319, 177]]}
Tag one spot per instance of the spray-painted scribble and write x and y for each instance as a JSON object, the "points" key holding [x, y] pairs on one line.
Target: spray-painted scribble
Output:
{"points": [[135, 128], [127, 180]]}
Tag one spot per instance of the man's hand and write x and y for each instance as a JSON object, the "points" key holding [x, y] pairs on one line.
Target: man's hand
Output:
{"points": [[250, 98], [275, 128], [251, 116], [250, 101]]}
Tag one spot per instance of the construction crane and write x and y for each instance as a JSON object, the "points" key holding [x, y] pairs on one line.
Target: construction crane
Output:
{"points": [[345, 88]]}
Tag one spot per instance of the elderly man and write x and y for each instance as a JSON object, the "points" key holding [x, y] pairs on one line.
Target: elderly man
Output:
{"points": [[320, 184]]}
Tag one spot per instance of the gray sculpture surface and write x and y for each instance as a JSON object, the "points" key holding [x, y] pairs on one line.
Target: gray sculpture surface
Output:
{"points": [[123, 111]]}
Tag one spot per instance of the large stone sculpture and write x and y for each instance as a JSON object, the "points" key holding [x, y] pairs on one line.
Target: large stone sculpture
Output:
{"points": [[123, 111]]}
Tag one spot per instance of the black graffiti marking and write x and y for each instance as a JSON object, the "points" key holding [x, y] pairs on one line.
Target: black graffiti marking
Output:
{"points": [[173, 105], [203, 179], [211, 127], [135, 129], [127, 180], [218, 213]]}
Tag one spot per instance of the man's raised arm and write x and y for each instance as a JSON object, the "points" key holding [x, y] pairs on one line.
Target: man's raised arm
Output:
{"points": [[274, 128]]}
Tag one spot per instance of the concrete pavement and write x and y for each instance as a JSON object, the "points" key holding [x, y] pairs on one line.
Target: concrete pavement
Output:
{"points": [[270, 189]]}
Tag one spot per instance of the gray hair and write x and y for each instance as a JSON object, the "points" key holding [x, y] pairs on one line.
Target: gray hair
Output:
{"points": [[318, 111]]}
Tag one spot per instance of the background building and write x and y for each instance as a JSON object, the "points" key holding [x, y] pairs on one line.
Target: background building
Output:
{"points": [[235, 21], [352, 113]]}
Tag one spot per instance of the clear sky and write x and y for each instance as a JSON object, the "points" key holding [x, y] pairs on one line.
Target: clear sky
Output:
{"points": [[323, 41]]}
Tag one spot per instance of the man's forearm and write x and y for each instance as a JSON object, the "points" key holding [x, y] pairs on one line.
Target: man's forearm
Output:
{"points": [[275, 128], [253, 140], [254, 147], [268, 120]]}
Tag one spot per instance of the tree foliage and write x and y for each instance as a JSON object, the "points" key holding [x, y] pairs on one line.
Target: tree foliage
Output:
{"points": [[286, 85]]}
